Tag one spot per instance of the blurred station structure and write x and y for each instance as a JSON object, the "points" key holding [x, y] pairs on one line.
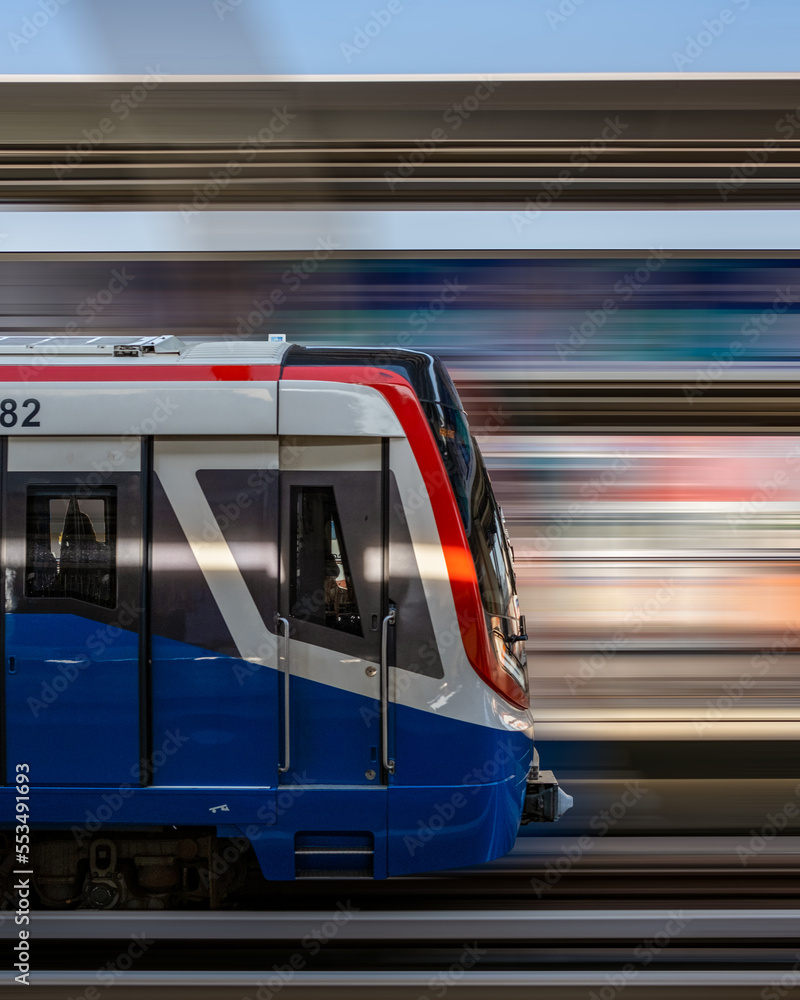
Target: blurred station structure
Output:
{"points": [[493, 141]]}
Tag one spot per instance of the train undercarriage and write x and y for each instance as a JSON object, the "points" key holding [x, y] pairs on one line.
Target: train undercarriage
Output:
{"points": [[141, 869]]}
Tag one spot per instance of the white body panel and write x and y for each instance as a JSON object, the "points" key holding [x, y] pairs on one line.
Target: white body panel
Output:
{"points": [[336, 408], [95, 455], [336, 670], [176, 464], [142, 408], [334, 454], [203, 409]]}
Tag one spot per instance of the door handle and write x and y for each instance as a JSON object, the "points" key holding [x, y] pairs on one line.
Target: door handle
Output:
{"points": [[12, 664], [282, 769], [390, 619]]}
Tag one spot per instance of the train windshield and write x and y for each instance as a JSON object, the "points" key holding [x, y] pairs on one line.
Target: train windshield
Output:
{"points": [[490, 548], [478, 508]]}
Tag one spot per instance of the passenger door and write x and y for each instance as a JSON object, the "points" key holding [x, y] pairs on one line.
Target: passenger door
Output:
{"points": [[214, 597], [332, 603], [72, 529]]}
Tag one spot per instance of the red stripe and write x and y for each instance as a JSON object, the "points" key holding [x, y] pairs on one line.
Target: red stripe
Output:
{"points": [[460, 566], [139, 373], [405, 404]]}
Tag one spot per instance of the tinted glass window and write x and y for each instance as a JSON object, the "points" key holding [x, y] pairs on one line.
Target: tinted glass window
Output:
{"points": [[321, 587], [71, 545], [478, 508], [489, 547]]}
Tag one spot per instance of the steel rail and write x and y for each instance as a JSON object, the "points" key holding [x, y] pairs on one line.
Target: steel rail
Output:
{"points": [[516, 925], [500, 979]]}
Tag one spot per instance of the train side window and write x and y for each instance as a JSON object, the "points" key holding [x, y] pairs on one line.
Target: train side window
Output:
{"points": [[321, 586], [71, 545]]}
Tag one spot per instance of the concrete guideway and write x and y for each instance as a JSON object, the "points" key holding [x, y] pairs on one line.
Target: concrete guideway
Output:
{"points": [[723, 140]]}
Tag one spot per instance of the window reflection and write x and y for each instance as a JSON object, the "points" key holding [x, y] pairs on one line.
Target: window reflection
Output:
{"points": [[70, 543], [321, 585]]}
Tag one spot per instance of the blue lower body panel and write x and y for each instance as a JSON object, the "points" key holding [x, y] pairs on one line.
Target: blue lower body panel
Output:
{"points": [[451, 826], [411, 829], [222, 711], [455, 800], [94, 809], [72, 700]]}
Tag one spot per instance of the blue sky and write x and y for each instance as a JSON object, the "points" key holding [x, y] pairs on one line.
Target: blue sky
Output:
{"points": [[398, 36]]}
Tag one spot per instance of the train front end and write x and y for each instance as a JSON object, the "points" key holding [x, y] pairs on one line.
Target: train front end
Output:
{"points": [[481, 639], [461, 769]]}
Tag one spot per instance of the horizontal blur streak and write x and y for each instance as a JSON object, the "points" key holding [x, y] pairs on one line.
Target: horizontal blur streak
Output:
{"points": [[689, 539], [655, 569], [483, 317]]}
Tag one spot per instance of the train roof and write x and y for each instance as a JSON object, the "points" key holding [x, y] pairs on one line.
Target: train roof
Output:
{"points": [[160, 350], [425, 372]]}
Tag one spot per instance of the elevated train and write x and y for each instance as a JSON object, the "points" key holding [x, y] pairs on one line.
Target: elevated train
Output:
{"points": [[258, 596]]}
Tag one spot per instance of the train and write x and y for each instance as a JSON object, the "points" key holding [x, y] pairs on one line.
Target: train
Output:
{"points": [[260, 604]]}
